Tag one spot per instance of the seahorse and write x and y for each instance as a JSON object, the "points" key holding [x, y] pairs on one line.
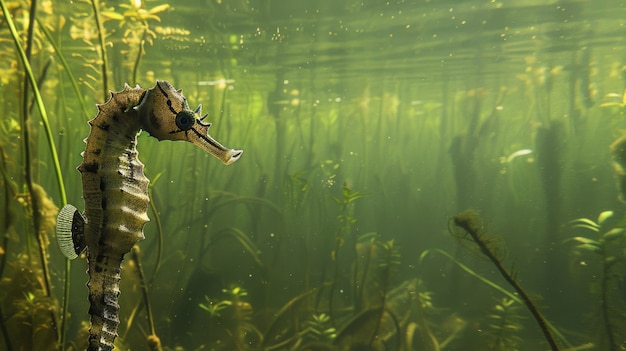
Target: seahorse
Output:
{"points": [[115, 190]]}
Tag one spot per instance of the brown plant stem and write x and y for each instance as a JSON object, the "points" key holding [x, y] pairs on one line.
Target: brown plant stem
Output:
{"points": [[144, 289], [469, 221]]}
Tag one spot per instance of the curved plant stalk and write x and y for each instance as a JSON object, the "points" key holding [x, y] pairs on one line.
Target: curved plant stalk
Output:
{"points": [[248, 200], [146, 301], [103, 52], [245, 242], [471, 272], [235, 200], [469, 222], [38, 100], [66, 67], [371, 239], [491, 284], [274, 332], [6, 224], [139, 56], [50, 140], [154, 342], [35, 204], [157, 220], [10, 190]]}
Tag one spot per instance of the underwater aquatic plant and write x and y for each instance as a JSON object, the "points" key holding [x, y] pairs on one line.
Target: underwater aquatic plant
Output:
{"points": [[135, 18], [362, 330], [102, 48], [504, 323], [89, 26], [28, 314], [38, 99], [606, 248], [38, 205], [346, 220], [470, 223], [374, 321], [152, 339], [319, 328], [231, 325], [419, 332], [284, 327], [387, 262], [618, 149], [616, 102]]}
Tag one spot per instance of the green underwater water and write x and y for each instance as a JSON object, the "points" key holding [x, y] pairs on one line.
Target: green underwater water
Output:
{"points": [[368, 129]]}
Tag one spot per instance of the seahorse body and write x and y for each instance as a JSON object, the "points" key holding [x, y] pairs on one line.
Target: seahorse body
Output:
{"points": [[115, 190]]}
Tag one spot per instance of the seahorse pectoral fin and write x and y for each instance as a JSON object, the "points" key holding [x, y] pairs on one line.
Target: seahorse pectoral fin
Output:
{"points": [[71, 232]]}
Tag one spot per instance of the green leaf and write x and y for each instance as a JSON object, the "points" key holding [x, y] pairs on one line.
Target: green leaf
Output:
{"points": [[585, 220], [586, 241], [587, 226], [112, 15], [610, 104], [613, 234], [158, 9], [589, 247], [604, 216]]}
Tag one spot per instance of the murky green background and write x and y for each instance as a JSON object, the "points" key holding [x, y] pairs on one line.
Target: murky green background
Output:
{"points": [[366, 126]]}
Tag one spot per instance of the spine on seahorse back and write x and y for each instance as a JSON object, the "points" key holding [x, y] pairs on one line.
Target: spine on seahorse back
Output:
{"points": [[115, 192]]}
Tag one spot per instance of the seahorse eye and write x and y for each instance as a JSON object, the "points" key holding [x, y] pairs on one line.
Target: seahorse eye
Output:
{"points": [[185, 120]]}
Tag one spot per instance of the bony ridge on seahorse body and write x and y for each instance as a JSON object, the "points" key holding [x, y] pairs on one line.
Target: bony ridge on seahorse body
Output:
{"points": [[115, 190]]}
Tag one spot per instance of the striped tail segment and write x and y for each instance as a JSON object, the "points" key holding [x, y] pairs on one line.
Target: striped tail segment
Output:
{"points": [[104, 290]]}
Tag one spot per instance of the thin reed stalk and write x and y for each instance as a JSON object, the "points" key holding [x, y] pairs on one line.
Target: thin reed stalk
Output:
{"points": [[38, 100], [66, 67], [469, 222], [139, 55], [48, 131], [28, 170], [153, 339], [103, 52]]}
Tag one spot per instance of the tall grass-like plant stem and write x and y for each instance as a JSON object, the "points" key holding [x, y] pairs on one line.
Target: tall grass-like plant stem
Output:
{"points": [[466, 223], [39, 101], [53, 151], [105, 63]]}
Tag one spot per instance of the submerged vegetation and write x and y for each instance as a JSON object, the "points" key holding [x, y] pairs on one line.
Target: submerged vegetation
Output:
{"points": [[367, 128]]}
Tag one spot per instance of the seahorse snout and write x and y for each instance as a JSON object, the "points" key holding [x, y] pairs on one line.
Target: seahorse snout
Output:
{"points": [[233, 155]]}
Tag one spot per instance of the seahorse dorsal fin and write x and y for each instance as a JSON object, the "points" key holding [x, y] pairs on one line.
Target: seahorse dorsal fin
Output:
{"points": [[71, 232]]}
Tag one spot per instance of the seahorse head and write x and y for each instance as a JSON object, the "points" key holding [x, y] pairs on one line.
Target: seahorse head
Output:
{"points": [[165, 114]]}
